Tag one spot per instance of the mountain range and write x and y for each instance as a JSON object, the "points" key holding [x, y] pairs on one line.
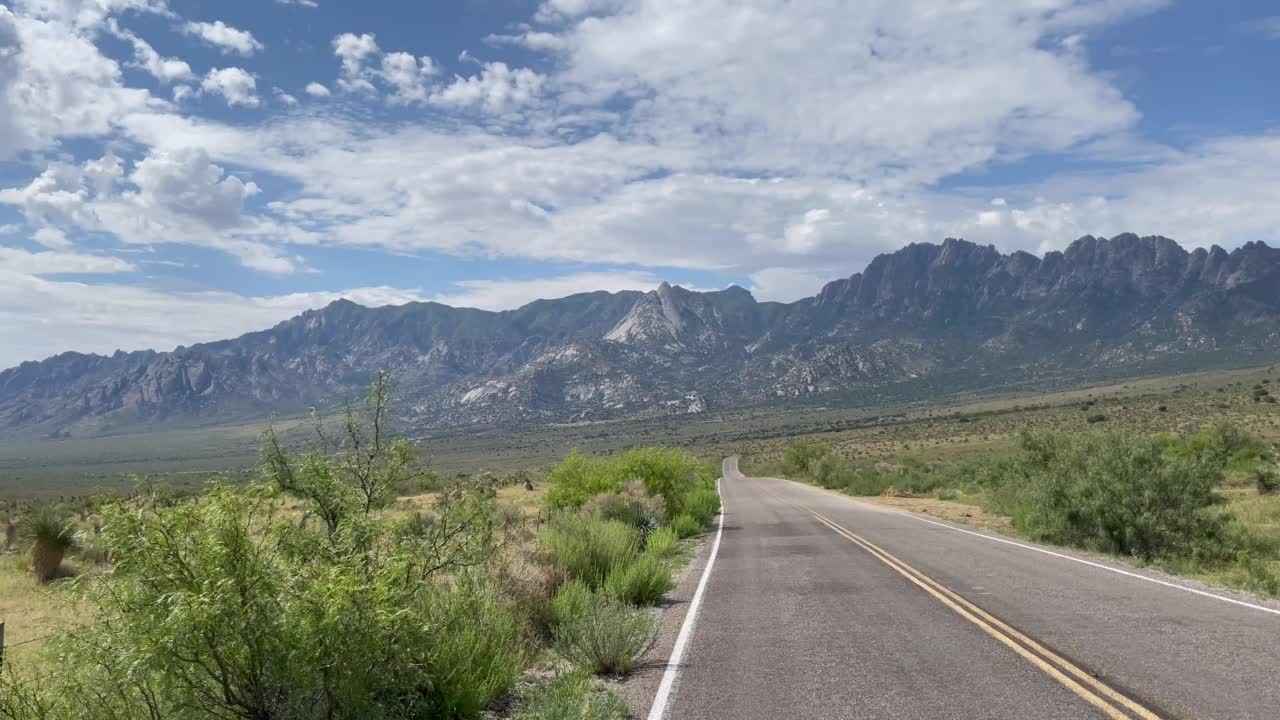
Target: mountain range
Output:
{"points": [[925, 313]]}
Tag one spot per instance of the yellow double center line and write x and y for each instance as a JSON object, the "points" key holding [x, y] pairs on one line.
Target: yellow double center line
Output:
{"points": [[1097, 693]]}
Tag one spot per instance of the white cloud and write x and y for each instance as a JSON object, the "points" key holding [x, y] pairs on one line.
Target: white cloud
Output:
{"points": [[409, 76], [46, 262], [530, 39], [496, 89], [315, 89], [224, 37], [164, 69], [234, 84], [507, 294], [51, 237], [353, 50], [789, 284], [284, 97], [187, 184], [41, 317], [299, 3], [55, 84]]}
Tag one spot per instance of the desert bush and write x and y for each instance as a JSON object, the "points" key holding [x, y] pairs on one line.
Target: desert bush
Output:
{"points": [[632, 506], [1116, 492], [587, 548], [605, 636], [703, 504], [666, 473], [643, 582], [663, 542], [51, 536], [578, 478], [572, 696], [571, 601], [800, 458], [686, 526], [475, 651]]}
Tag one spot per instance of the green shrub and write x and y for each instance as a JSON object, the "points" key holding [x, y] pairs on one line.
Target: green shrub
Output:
{"points": [[703, 504], [669, 473], [588, 548], [1116, 492], [605, 637], [572, 696], [571, 601], [686, 526], [632, 506], [578, 478], [643, 582], [475, 653], [800, 458], [663, 542]]}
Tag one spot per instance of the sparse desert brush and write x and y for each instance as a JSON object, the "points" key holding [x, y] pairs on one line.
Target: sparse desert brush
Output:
{"points": [[51, 535], [572, 696], [605, 636]]}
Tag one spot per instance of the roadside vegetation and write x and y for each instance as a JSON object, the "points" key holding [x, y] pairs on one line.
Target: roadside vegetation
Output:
{"points": [[316, 592], [1200, 503]]}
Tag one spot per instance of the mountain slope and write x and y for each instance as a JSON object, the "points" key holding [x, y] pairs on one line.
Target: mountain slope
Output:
{"points": [[1123, 304]]}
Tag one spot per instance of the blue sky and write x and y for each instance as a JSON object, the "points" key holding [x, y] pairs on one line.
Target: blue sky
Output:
{"points": [[173, 172]]}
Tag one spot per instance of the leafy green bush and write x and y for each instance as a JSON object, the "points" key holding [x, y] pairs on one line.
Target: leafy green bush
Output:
{"points": [[800, 458], [703, 504], [572, 696], [571, 601], [1116, 492], [663, 542], [643, 582], [605, 637], [632, 506], [587, 548], [578, 478], [475, 652], [686, 526]]}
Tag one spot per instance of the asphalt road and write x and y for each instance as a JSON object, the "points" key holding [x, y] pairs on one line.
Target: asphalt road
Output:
{"points": [[823, 606]]}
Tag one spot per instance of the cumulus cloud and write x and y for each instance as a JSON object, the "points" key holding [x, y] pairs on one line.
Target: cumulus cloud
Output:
{"points": [[353, 50], [224, 37], [164, 69], [507, 294], [496, 89], [315, 89], [234, 84], [43, 317]]}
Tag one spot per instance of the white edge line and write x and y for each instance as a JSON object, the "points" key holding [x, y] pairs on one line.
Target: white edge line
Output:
{"points": [[660, 700], [1082, 561]]}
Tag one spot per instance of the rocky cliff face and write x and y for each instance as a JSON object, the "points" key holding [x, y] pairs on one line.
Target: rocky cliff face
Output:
{"points": [[1121, 304]]}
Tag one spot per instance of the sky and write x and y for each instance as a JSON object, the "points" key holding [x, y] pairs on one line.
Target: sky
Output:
{"points": [[174, 172]]}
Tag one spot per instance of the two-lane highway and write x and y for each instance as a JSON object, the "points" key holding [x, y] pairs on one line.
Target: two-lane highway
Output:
{"points": [[822, 606]]}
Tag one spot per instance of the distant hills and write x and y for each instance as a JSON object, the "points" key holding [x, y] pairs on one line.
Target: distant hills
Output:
{"points": [[1119, 306]]}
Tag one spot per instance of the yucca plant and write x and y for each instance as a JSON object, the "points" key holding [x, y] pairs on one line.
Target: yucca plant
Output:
{"points": [[51, 536]]}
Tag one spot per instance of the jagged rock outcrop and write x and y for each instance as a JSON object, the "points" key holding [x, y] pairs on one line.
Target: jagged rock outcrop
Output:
{"points": [[1124, 304]]}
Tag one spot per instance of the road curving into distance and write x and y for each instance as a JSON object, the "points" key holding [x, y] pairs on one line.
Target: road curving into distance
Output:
{"points": [[819, 605]]}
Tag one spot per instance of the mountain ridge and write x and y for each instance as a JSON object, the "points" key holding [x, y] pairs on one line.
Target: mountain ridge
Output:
{"points": [[926, 310]]}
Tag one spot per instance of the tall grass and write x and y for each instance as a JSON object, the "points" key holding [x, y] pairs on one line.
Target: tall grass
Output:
{"points": [[572, 696], [588, 548], [643, 582]]}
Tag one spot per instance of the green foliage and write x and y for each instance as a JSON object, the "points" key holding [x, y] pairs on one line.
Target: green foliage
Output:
{"points": [[702, 504], [643, 582], [572, 696], [605, 637], [571, 601], [666, 473], [801, 458], [475, 653], [632, 506], [578, 478], [686, 526], [1117, 492], [663, 543], [588, 548]]}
